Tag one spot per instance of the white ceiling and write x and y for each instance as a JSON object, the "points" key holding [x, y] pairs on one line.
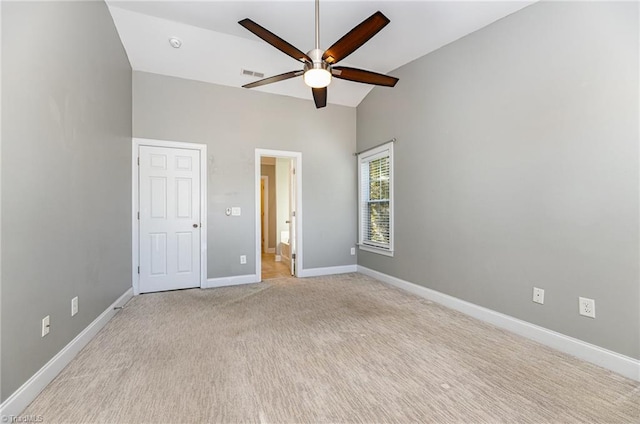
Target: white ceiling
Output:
{"points": [[215, 47]]}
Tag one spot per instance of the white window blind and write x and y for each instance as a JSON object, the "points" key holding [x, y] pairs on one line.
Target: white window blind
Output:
{"points": [[375, 184]]}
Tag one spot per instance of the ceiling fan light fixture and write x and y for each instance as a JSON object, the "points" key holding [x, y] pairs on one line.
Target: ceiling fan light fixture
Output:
{"points": [[319, 64], [317, 77]]}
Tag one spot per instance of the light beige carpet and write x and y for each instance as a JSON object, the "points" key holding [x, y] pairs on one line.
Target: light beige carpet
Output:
{"points": [[339, 349]]}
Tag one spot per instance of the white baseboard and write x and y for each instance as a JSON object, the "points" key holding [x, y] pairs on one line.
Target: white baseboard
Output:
{"points": [[330, 270], [270, 250], [21, 398], [621, 364], [231, 281]]}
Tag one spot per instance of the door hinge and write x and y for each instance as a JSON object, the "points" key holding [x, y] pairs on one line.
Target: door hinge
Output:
{"points": [[294, 171], [293, 213], [138, 161], [293, 256], [138, 270], [138, 215]]}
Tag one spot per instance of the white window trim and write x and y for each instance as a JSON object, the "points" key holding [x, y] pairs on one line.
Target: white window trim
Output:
{"points": [[366, 156]]}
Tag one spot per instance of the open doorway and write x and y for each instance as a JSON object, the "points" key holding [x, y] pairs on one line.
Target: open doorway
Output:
{"points": [[277, 214]]}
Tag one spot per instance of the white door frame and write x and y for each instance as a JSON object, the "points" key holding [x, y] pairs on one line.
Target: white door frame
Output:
{"points": [[265, 221], [297, 159], [293, 219], [135, 230]]}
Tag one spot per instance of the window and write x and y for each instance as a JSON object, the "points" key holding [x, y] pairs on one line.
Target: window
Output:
{"points": [[375, 187]]}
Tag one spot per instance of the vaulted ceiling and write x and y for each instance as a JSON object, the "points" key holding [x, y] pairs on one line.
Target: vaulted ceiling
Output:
{"points": [[215, 48]]}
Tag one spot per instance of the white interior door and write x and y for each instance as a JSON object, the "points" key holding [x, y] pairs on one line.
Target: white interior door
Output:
{"points": [[169, 207], [292, 216]]}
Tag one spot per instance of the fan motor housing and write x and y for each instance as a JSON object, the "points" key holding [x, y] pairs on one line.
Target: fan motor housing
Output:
{"points": [[318, 63]]}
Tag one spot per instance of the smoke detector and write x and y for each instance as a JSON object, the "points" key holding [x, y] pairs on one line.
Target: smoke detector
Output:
{"points": [[175, 42]]}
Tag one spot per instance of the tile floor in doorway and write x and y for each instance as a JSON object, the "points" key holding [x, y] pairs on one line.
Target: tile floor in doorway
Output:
{"points": [[273, 269]]}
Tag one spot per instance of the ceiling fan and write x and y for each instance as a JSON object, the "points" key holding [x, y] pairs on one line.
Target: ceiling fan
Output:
{"points": [[319, 65]]}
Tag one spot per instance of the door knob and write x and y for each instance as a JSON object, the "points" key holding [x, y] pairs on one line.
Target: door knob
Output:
{"points": [[195, 225], [287, 222]]}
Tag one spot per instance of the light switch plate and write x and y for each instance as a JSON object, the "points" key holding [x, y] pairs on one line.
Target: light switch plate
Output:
{"points": [[235, 211]]}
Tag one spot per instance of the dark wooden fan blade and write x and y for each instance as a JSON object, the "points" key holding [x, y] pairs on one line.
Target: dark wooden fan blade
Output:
{"points": [[274, 40], [355, 38], [360, 75], [276, 78], [320, 97]]}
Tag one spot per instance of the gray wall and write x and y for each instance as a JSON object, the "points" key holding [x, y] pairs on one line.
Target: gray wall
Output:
{"points": [[270, 172], [517, 166], [66, 178], [233, 122]]}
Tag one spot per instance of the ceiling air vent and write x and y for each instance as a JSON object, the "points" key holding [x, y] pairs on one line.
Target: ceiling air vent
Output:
{"points": [[249, 73]]}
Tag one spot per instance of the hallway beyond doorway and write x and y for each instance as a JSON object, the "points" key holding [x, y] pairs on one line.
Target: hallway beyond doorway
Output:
{"points": [[273, 269]]}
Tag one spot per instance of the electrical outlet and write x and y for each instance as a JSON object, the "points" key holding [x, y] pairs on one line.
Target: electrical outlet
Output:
{"points": [[74, 306], [45, 326], [353, 251], [587, 307], [538, 295], [243, 259]]}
